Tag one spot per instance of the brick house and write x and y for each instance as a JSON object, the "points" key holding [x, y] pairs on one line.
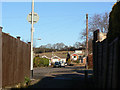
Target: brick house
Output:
{"points": [[78, 55]]}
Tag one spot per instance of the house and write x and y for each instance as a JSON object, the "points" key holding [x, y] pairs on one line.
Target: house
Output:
{"points": [[57, 59], [78, 55], [44, 56], [53, 57]]}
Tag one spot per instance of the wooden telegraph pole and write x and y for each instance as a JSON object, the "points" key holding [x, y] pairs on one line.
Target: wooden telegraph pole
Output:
{"points": [[86, 41], [86, 71]]}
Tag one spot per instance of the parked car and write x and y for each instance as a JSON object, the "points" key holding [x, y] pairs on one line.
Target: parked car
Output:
{"points": [[57, 64], [62, 64], [65, 64]]}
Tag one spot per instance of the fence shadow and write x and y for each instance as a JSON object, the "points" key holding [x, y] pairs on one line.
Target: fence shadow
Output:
{"points": [[61, 81], [66, 81], [74, 80]]}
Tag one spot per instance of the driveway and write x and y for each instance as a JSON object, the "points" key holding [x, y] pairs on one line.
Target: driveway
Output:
{"points": [[68, 77]]}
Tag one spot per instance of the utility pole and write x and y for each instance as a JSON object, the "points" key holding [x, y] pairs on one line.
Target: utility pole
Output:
{"points": [[86, 41], [32, 19], [32, 30], [86, 66]]}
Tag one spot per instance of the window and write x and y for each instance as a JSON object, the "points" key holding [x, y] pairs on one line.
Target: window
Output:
{"points": [[74, 56], [81, 60]]}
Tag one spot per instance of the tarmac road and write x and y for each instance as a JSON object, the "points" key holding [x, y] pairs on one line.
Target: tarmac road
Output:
{"points": [[68, 77]]}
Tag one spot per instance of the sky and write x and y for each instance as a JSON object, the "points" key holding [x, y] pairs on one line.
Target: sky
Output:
{"points": [[58, 21]]}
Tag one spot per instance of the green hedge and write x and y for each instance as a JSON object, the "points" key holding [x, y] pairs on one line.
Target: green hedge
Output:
{"points": [[114, 22], [40, 62]]}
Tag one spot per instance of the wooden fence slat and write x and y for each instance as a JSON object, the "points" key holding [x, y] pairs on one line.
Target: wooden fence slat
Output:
{"points": [[0, 57], [15, 61], [106, 63]]}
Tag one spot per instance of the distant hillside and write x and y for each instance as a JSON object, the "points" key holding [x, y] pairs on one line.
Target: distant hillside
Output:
{"points": [[45, 50], [61, 54]]}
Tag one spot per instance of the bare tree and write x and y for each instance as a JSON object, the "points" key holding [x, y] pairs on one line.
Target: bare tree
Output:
{"points": [[43, 46], [66, 48], [54, 46], [59, 46], [97, 21], [49, 46], [77, 45]]}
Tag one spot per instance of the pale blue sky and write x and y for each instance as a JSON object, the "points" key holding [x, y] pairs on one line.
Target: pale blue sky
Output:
{"points": [[59, 21]]}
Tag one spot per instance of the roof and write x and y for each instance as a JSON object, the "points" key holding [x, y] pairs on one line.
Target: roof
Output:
{"points": [[44, 54], [55, 57], [61, 54], [76, 54]]}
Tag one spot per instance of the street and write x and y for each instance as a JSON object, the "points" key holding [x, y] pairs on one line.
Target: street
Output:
{"points": [[68, 77]]}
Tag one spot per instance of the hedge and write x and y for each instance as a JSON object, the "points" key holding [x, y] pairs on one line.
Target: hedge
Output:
{"points": [[114, 22], [40, 62]]}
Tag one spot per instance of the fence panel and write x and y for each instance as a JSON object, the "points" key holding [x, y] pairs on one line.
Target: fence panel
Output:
{"points": [[15, 61], [0, 57], [114, 73], [106, 61], [99, 62], [115, 67], [95, 62]]}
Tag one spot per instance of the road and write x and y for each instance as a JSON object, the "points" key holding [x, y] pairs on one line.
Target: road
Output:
{"points": [[68, 77]]}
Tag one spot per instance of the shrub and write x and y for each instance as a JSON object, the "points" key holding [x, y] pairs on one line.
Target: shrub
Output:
{"points": [[27, 81], [114, 22], [78, 61], [69, 62], [46, 61], [39, 62], [35, 61]]}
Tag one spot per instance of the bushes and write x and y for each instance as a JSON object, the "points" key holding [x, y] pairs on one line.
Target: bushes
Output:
{"points": [[40, 62], [27, 81], [77, 61], [114, 22], [69, 62]]}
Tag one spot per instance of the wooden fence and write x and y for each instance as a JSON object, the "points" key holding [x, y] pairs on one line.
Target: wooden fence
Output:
{"points": [[14, 60], [105, 61]]}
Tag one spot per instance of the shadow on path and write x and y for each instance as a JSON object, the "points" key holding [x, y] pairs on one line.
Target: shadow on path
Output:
{"points": [[65, 81]]}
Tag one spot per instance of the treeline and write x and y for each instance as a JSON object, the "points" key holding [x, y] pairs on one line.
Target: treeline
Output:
{"points": [[58, 47]]}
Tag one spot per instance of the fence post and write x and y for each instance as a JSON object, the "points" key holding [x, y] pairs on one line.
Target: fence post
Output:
{"points": [[18, 37], [29, 44], [18, 76], [0, 58]]}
